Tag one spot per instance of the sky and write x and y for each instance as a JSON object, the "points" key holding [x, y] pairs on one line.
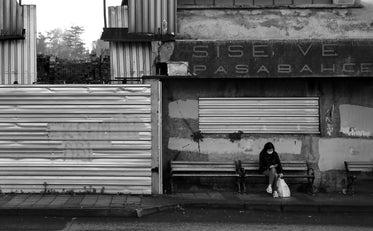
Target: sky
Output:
{"points": [[53, 14]]}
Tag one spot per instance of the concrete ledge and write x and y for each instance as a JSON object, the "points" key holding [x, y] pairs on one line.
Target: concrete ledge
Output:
{"points": [[346, 208], [69, 212], [300, 208], [323, 203], [270, 7]]}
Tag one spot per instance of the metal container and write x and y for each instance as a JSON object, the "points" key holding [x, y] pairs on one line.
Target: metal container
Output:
{"points": [[152, 16], [94, 138], [18, 57]]}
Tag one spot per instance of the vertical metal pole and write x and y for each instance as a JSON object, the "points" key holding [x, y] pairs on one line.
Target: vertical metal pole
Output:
{"points": [[105, 23]]}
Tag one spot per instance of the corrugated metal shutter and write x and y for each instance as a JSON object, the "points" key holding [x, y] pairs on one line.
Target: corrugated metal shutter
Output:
{"points": [[259, 115], [11, 21], [75, 138], [128, 59], [118, 16], [18, 57], [152, 16]]}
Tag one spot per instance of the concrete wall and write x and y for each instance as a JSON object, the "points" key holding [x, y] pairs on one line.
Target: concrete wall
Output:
{"points": [[265, 24], [345, 134]]}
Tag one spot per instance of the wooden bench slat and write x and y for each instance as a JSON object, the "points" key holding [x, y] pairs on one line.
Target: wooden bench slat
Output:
{"points": [[205, 175], [254, 175], [361, 169], [285, 169], [203, 166], [294, 169], [298, 176], [201, 162], [359, 162], [203, 170]]}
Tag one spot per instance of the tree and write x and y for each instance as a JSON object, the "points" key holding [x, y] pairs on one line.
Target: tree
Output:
{"points": [[65, 44], [55, 42], [41, 46], [74, 42]]}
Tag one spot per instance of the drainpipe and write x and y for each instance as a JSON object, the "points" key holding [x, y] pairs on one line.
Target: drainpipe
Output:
{"points": [[105, 24]]}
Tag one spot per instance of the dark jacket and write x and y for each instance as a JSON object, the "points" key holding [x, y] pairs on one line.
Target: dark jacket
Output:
{"points": [[266, 160]]}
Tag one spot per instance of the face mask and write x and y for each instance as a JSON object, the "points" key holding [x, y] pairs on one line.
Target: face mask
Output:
{"points": [[269, 152]]}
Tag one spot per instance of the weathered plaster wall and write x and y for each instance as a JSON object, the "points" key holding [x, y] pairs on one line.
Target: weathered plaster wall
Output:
{"points": [[326, 152], [277, 24], [356, 120], [333, 152], [223, 149]]}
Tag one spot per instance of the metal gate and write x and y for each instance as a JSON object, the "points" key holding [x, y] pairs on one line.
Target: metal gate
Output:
{"points": [[92, 138]]}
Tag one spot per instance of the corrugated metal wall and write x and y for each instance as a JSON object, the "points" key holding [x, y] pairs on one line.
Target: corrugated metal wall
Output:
{"points": [[75, 138], [259, 115], [128, 59], [18, 57], [118, 16], [152, 16], [11, 18]]}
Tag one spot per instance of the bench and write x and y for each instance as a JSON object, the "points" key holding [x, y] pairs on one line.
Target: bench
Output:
{"points": [[355, 168], [291, 169], [204, 169]]}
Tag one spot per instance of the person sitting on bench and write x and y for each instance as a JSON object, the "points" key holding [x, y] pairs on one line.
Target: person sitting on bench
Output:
{"points": [[270, 165]]}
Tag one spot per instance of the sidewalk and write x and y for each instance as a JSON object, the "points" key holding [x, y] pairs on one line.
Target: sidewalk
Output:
{"points": [[141, 205]]}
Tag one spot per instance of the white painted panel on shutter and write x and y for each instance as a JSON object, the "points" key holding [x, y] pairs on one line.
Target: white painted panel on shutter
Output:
{"points": [[259, 115]]}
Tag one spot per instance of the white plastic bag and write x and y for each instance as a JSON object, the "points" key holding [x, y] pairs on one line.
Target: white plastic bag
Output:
{"points": [[282, 188]]}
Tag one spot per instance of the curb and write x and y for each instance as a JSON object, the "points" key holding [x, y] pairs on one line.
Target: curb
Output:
{"points": [[68, 212], [149, 210], [284, 207], [152, 210]]}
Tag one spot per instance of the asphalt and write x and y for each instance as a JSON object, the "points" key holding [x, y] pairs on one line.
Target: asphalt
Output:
{"points": [[101, 205]]}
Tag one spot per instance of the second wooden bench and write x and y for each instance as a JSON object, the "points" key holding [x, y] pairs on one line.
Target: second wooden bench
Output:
{"points": [[204, 169], [355, 169], [291, 169]]}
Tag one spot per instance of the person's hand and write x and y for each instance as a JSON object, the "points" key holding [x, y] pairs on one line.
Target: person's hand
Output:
{"points": [[273, 166]]}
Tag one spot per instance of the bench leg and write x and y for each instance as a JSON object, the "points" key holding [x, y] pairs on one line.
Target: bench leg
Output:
{"points": [[239, 184], [172, 184], [243, 185], [350, 184], [310, 185]]}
